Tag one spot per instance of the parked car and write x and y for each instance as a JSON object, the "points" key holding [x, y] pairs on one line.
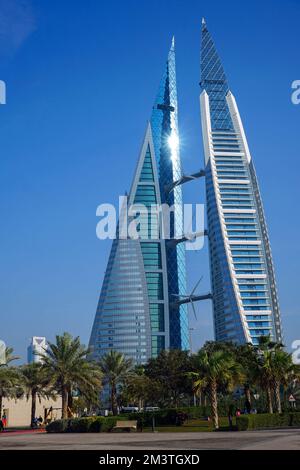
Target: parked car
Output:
{"points": [[130, 409], [151, 408]]}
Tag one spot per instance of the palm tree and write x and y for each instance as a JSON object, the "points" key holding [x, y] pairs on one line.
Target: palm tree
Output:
{"points": [[9, 378], [115, 368], [214, 368], [265, 376], [35, 382], [9, 357], [283, 369], [65, 361], [275, 368], [246, 355], [9, 384]]}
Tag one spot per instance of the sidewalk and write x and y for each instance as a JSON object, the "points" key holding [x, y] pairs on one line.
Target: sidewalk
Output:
{"points": [[10, 432]]}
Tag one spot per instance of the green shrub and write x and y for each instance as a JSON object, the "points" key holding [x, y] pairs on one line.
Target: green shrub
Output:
{"points": [[59, 425], [109, 423], [294, 418], [90, 424], [96, 424], [79, 424], [266, 420], [242, 423]]}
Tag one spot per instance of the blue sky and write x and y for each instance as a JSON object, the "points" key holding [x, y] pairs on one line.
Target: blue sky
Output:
{"points": [[81, 79]]}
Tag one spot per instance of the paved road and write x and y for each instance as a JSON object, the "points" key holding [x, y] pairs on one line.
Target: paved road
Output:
{"points": [[288, 439]]}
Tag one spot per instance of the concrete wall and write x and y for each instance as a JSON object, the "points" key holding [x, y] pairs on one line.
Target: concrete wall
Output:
{"points": [[18, 411]]}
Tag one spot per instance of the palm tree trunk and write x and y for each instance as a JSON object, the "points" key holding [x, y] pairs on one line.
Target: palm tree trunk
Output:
{"points": [[70, 403], [33, 406], [269, 396], [176, 400], [247, 393], [214, 403], [1, 404], [277, 396], [64, 397], [113, 394]]}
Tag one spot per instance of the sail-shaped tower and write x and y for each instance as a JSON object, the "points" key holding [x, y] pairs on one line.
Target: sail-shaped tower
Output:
{"points": [[245, 300], [137, 313]]}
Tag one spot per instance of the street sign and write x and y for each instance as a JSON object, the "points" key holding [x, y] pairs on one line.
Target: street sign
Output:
{"points": [[292, 399]]}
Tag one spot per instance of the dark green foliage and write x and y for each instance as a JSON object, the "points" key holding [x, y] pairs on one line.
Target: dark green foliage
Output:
{"points": [[90, 424], [166, 417], [196, 412], [96, 424], [181, 418], [60, 425], [169, 370], [109, 423], [101, 424], [267, 420], [79, 424], [174, 416]]}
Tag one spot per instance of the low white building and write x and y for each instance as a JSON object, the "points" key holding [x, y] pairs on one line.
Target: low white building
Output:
{"points": [[18, 412]]}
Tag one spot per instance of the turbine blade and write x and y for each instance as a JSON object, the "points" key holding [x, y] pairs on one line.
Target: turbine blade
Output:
{"points": [[193, 307], [197, 285]]}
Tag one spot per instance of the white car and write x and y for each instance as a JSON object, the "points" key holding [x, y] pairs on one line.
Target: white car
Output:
{"points": [[130, 409], [151, 408]]}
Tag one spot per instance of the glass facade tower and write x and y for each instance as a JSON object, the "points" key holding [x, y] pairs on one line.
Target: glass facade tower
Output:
{"points": [[245, 302], [137, 313]]}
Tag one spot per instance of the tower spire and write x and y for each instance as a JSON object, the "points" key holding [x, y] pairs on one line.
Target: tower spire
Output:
{"points": [[211, 66], [214, 81]]}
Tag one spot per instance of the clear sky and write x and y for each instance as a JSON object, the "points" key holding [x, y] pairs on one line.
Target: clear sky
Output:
{"points": [[81, 78]]}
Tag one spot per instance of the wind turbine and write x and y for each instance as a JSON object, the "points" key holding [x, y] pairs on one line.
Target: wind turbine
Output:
{"points": [[191, 298]]}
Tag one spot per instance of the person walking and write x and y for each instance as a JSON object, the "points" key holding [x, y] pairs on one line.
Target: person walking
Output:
{"points": [[4, 420]]}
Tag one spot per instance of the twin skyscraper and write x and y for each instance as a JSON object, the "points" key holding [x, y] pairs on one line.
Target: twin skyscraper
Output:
{"points": [[142, 307]]}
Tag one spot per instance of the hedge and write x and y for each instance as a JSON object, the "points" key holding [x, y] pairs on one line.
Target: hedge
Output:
{"points": [[60, 425], [267, 420], [90, 424], [169, 417]]}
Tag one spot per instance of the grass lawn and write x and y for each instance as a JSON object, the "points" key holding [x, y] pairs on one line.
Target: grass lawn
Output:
{"points": [[193, 425]]}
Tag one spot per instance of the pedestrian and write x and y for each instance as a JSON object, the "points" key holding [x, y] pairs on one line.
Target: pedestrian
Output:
{"points": [[34, 423], [4, 420], [230, 415], [247, 407]]}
